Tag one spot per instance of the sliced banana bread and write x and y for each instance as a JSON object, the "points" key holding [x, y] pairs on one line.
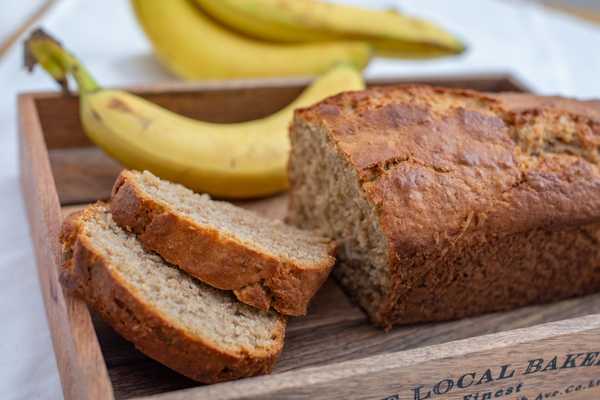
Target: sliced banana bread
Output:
{"points": [[200, 332], [266, 263], [448, 203]]}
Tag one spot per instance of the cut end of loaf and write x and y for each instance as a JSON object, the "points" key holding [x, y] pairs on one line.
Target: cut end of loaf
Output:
{"points": [[325, 195], [202, 332]]}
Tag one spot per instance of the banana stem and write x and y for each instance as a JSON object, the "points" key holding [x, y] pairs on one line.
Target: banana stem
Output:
{"points": [[43, 49]]}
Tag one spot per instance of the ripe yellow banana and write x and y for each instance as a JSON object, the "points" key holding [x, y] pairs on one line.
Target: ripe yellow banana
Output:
{"points": [[193, 46], [313, 20], [239, 160]]}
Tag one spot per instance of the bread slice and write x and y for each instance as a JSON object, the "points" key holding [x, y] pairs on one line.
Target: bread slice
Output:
{"points": [[266, 263], [448, 203], [200, 332]]}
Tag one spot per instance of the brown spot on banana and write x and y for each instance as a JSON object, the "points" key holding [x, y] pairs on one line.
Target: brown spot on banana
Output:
{"points": [[96, 116], [119, 105]]}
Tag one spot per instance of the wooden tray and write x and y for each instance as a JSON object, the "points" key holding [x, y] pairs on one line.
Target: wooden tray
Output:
{"points": [[333, 353]]}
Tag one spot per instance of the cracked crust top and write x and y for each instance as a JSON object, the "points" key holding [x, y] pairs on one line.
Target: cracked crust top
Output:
{"points": [[434, 161]]}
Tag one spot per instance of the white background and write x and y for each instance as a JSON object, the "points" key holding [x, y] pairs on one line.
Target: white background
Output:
{"points": [[550, 52]]}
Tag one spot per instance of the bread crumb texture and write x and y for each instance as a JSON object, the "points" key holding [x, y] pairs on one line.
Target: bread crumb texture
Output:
{"points": [[181, 300], [265, 262], [262, 234]]}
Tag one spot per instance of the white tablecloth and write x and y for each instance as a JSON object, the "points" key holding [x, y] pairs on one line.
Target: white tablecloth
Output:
{"points": [[550, 52]]}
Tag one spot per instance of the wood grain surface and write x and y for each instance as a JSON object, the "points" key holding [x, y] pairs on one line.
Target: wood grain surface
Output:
{"points": [[33, 19], [333, 352], [499, 361], [79, 359], [589, 14]]}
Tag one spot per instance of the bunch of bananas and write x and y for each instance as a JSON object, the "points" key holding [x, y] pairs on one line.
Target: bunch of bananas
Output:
{"points": [[216, 39], [208, 39], [240, 160]]}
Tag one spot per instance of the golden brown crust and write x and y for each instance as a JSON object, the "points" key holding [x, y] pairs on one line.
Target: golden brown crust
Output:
{"points": [[91, 277], [258, 279], [456, 175]]}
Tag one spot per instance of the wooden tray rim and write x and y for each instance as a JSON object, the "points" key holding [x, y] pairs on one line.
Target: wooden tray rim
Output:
{"points": [[79, 354], [453, 350], [234, 84]]}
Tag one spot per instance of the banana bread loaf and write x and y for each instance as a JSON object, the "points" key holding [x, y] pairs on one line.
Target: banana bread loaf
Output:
{"points": [[448, 203]]}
